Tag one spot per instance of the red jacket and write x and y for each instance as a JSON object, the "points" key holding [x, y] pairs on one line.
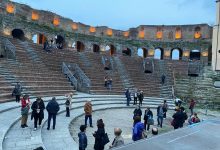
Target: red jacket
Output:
{"points": [[24, 103]]}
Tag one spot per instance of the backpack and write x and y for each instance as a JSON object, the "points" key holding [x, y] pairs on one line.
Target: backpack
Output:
{"points": [[67, 102], [105, 139]]}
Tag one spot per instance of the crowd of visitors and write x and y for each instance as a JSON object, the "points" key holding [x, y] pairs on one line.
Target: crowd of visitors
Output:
{"points": [[140, 130]]}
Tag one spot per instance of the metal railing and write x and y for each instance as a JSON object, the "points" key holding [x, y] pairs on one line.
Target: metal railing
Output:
{"points": [[10, 49], [69, 75], [83, 82]]}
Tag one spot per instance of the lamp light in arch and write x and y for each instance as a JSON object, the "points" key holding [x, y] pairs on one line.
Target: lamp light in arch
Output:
{"points": [[10, 8]]}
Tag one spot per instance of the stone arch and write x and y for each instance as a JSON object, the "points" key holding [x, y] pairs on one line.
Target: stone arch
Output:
{"points": [[18, 34], [80, 46], [142, 52], [127, 52], [111, 48], [96, 48], [197, 32], [158, 53], [176, 54], [39, 38], [195, 54]]}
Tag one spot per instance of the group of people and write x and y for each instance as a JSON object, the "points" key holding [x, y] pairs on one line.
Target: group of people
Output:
{"points": [[37, 113], [108, 83], [138, 95]]}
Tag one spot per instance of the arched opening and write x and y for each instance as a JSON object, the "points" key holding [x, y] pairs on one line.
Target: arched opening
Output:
{"points": [[60, 41], [126, 52], [176, 54], [210, 55], [39, 39], [197, 34], [74, 45], [142, 52], [195, 55], [111, 48], [18, 34], [96, 48], [158, 53], [80, 46]]}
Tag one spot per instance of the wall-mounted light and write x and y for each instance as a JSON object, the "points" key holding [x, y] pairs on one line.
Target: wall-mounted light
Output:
{"points": [[35, 15], [141, 34], [10, 8], [74, 26], [56, 21], [109, 32], [126, 34], [92, 29]]}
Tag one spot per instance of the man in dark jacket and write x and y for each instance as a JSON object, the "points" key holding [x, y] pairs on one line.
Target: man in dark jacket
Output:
{"points": [[148, 114], [178, 118], [82, 138], [137, 111], [17, 92], [128, 96], [141, 98], [38, 112], [52, 109]]}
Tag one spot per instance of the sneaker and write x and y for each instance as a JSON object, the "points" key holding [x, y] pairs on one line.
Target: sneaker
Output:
{"points": [[48, 128], [91, 126], [22, 126], [35, 129], [25, 125]]}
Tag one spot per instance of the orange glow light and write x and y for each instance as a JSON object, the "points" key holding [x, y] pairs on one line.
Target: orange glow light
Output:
{"points": [[159, 34], [204, 54], [109, 32], [178, 34], [35, 16], [141, 34], [56, 21], [92, 29], [10, 8], [126, 34], [186, 54], [197, 35], [74, 26]]}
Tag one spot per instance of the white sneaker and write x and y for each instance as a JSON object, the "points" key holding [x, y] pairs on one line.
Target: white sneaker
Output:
{"points": [[35, 129]]}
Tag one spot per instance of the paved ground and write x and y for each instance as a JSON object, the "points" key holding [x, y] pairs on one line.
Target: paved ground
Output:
{"points": [[112, 118], [204, 136]]}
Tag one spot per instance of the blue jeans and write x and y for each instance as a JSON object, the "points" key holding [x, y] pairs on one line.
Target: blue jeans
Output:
{"points": [[160, 121], [90, 119]]}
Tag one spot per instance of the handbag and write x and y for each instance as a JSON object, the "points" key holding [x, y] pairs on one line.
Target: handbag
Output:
{"points": [[150, 121], [105, 139], [24, 111]]}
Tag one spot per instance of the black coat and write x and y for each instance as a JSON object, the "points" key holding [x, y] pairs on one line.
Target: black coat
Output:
{"points": [[36, 106], [148, 114], [137, 112], [178, 118], [99, 134], [53, 107], [141, 97]]}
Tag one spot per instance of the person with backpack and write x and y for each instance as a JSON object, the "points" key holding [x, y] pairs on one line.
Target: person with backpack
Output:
{"points": [[25, 106], [148, 114], [37, 112], [68, 104], [83, 142], [17, 92], [52, 109], [138, 129], [101, 138]]}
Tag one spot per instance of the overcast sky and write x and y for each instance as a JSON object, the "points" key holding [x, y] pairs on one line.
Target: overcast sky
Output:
{"points": [[123, 14]]}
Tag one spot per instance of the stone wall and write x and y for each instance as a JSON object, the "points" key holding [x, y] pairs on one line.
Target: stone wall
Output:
{"points": [[33, 22]]}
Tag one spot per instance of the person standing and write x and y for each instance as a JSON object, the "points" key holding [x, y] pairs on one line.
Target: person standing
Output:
{"points": [[148, 114], [82, 138], [118, 140], [163, 78], [17, 92], [25, 106], [52, 109], [137, 111], [191, 106], [37, 112], [68, 104], [128, 96], [135, 98], [165, 108], [160, 114], [99, 136], [141, 98], [88, 113]]}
